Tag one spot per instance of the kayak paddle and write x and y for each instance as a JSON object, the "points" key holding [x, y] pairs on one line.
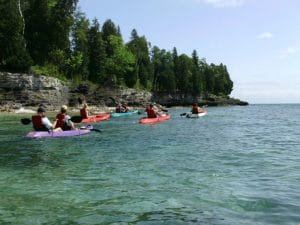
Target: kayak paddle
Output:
{"points": [[91, 128]]}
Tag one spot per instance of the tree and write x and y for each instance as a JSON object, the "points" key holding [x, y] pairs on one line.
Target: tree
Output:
{"points": [[37, 30], [13, 54], [196, 75], [60, 23], [109, 28], [185, 66], [209, 78], [120, 63], [143, 69], [80, 44], [163, 66], [97, 55]]}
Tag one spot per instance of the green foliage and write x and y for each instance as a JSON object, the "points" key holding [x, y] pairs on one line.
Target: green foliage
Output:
{"points": [[13, 54], [37, 30], [62, 43], [73, 66], [121, 62], [109, 28], [143, 68], [80, 44], [97, 55], [184, 78], [48, 70]]}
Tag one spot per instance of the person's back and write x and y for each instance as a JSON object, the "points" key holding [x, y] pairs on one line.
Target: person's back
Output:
{"points": [[60, 121], [84, 112], [63, 120], [195, 109], [118, 108], [40, 121], [151, 112], [37, 123]]}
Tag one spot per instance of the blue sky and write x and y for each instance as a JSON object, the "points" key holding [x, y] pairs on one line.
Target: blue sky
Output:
{"points": [[258, 40]]}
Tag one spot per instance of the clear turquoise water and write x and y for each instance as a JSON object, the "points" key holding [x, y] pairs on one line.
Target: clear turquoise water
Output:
{"points": [[237, 165]]}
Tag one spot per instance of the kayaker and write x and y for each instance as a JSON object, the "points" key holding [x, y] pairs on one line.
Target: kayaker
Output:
{"points": [[63, 120], [196, 109], [41, 122], [118, 108], [124, 108], [84, 111], [151, 111]]}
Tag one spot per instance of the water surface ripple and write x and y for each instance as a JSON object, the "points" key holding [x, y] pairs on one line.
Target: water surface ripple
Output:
{"points": [[237, 165]]}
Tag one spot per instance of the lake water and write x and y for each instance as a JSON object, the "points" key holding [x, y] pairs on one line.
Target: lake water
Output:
{"points": [[237, 165]]}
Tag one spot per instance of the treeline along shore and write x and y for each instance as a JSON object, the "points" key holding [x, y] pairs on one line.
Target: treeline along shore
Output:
{"points": [[52, 54]]}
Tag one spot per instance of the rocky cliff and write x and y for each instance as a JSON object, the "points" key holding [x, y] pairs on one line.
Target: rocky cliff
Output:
{"points": [[17, 90], [29, 90]]}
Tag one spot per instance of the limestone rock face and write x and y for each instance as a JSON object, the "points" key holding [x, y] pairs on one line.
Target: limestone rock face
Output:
{"points": [[17, 90]]}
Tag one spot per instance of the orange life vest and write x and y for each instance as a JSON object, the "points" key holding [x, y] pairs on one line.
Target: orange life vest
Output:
{"points": [[118, 109], [151, 113], [60, 120], [37, 123], [83, 113], [195, 110]]}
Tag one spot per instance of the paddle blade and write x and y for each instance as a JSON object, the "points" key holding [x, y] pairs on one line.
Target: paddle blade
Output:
{"points": [[96, 130], [76, 119], [90, 127], [183, 114], [25, 121]]}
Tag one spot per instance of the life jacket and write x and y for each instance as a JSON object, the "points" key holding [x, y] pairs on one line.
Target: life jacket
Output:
{"points": [[60, 120], [37, 123], [118, 109], [195, 110], [151, 113], [83, 113]]}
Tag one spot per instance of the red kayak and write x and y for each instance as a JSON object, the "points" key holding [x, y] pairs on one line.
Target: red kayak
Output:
{"points": [[146, 120], [96, 118]]}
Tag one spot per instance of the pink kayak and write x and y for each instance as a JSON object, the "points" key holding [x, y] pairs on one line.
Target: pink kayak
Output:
{"points": [[96, 118], [146, 120]]}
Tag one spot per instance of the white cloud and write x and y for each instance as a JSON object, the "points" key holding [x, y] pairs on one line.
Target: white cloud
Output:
{"points": [[288, 52], [225, 3], [265, 35]]}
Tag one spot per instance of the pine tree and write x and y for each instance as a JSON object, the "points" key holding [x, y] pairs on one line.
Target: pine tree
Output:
{"points": [[143, 68], [80, 43], [97, 55]]}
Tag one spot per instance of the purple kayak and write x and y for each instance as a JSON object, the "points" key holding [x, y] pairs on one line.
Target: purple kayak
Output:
{"points": [[68, 133]]}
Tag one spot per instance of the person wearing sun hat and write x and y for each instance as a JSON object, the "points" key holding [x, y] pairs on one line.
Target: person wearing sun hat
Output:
{"points": [[63, 120]]}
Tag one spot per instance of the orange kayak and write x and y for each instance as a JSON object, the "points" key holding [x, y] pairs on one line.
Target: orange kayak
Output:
{"points": [[96, 118], [146, 120]]}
